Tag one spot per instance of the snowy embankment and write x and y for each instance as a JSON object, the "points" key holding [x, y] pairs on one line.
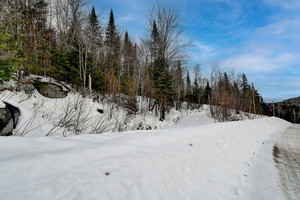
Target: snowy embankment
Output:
{"points": [[41, 116], [194, 159]]}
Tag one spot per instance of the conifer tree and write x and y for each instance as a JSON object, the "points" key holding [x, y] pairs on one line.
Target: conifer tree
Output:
{"points": [[95, 43], [162, 82], [154, 41], [9, 62], [196, 92], [245, 93], [188, 90], [178, 85], [111, 33], [128, 55], [207, 93], [94, 22]]}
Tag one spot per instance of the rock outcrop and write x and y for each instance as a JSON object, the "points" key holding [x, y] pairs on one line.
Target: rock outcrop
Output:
{"points": [[8, 119], [50, 90]]}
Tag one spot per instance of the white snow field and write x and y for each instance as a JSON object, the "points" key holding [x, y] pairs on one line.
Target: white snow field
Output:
{"points": [[194, 159]]}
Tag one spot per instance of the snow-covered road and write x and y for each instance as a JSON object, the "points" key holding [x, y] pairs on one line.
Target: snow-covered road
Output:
{"points": [[286, 154], [194, 159]]}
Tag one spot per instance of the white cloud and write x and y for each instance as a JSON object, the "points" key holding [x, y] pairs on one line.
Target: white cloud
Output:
{"points": [[285, 4], [202, 53], [282, 29], [126, 19], [249, 63]]}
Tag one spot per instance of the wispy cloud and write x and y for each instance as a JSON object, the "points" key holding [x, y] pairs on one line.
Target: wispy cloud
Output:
{"points": [[126, 19], [285, 4], [282, 29]]}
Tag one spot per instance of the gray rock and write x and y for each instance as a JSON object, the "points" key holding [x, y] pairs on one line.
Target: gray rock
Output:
{"points": [[51, 90], [8, 119], [28, 88]]}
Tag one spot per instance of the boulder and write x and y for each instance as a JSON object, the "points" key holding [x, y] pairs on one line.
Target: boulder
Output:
{"points": [[8, 119], [50, 90]]}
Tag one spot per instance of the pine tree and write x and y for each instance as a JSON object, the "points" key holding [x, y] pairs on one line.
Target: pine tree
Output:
{"points": [[96, 43], [178, 85], [196, 92], [9, 63], [162, 82], [188, 90], [154, 41], [245, 85], [207, 94], [111, 33], [128, 55], [246, 97], [94, 22]]}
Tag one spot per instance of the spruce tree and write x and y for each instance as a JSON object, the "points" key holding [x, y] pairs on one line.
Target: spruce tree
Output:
{"points": [[94, 22], [95, 41], [154, 41], [207, 94], [128, 54], [196, 92], [9, 61], [111, 33], [245, 93], [188, 90], [245, 85], [178, 85], [162, 82]]}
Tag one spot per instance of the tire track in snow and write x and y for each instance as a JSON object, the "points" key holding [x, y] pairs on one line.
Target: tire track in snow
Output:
{"points": [[286, 154]]}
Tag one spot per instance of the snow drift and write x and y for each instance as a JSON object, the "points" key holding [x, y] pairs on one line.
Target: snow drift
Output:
{"points": [[194, 159]]}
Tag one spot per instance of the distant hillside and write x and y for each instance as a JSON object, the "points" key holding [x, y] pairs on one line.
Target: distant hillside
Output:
{"points": [[293, 100], [288, 109]]}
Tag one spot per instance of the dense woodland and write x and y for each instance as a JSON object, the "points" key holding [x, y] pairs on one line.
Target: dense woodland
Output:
{"points": [[65, 40]]}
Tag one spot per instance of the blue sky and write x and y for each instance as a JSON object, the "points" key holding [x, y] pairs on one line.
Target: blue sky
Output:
{"points": [[260, 38]]}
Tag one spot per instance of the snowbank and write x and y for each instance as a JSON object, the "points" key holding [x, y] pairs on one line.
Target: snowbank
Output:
{"points": [[194, 159], [42, 116]]}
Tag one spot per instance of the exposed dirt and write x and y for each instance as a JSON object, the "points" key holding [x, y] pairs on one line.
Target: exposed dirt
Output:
{"points": [[286, 154]]}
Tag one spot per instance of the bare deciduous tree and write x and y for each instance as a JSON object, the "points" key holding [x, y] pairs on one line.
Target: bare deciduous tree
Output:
{"points": [[170, 41]]}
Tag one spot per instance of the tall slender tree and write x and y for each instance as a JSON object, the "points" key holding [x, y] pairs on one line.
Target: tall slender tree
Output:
{"points": [[111, 33], [188, 90]]}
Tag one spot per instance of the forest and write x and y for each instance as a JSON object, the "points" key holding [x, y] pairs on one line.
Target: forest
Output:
{"points": [[68, 41]]}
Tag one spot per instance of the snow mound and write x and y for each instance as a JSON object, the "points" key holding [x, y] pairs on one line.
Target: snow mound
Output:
{"points": [[194, 159]]}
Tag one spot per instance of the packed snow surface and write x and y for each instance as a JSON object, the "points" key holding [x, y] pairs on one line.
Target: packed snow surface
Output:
{"points": [[194, 159]]}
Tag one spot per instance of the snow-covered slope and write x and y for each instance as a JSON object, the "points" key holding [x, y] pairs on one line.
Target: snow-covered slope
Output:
{"points": [[74, 114], [194, 159]]}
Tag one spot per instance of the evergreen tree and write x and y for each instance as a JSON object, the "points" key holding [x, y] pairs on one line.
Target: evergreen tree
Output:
{"points": [[207, 94], [162, 82], [128, 55], [94, 22], [111, 34], [246, 93], [65, 67], [178, 85], [98, 82], [196, 92], [245, 86], [188, 90], [96, 43], [154, 41], [9, 63], [226, 82]]}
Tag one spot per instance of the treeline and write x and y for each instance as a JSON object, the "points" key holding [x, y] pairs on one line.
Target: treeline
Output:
{"points": [[287, 110], [65, 40], [231, 94]]}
